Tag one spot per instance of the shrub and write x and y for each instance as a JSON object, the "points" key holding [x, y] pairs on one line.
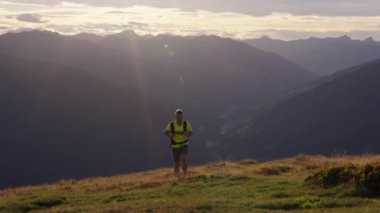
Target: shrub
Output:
{"points": [[333, 176], [48, 202], [280, 195], [366, 179], [369, 179]]}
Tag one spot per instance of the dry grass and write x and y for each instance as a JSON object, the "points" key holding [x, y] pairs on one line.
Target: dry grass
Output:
{"points": [[300, 166], [301, 163]]}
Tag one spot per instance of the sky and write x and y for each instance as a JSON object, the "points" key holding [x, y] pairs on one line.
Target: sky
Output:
{"points": [[240, 19]]}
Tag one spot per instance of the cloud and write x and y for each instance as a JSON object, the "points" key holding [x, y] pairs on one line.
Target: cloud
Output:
{"points": [[33, 18], [72, 18], [120, 12], [138, 24], [33, 3], [251, 7]]}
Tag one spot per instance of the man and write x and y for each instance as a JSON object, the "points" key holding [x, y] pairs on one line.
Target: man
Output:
{"points": [[179, 132]]}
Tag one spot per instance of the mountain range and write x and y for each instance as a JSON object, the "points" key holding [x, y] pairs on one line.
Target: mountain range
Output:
{"points": [[89, 105], [323, 56], [76, 107], [339, 115], [61, 122]]}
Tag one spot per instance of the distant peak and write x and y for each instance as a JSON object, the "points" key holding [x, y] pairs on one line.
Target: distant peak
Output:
{"points": [[129, 34], [369, 39], [87, 36], [265, 38], [345, 38], [40, 34], [34, 32], [312, 38], [45, 32]]}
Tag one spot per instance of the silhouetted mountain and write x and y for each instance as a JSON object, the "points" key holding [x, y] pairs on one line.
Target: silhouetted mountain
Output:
{"points": [[75, 108], [217, 66], [127, 34], [322, 55], [338, 116], [59, 122], [370, 40], [53, 47], [178, 71], [87, 37]]}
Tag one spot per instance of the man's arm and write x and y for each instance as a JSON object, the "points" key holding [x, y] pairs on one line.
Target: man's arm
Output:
{"points": [[167, 132], [189, 132]]}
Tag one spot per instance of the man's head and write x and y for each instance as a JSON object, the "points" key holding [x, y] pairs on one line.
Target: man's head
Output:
{"points": [[179, 115]]}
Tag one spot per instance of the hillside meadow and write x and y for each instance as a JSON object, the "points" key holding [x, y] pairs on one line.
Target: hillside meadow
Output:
{"points": [[283, 185]]}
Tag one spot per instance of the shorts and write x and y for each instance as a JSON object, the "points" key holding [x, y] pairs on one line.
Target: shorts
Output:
{"points": [[177, 152]]}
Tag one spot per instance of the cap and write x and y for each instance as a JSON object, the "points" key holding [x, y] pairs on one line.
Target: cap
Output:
{"points": [[178, 111]]}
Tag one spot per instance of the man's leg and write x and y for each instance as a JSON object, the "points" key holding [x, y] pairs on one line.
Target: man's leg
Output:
{"points": [[176, 169], [176, 156], [184, 155], [184, 163]]}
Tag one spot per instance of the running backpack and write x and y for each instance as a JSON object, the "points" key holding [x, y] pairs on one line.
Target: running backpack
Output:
{"points": [[184, 127], [173, 131]]}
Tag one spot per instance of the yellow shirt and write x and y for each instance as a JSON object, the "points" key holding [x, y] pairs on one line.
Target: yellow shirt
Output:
{"points": [[179, 129]]}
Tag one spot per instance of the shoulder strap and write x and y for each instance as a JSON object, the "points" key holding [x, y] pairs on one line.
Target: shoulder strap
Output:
{"points": [[172, 127], [184, 127]]}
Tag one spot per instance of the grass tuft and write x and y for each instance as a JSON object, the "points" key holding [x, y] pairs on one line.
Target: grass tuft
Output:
{"points": [[247, 162], [48, 202], [276, 170]]}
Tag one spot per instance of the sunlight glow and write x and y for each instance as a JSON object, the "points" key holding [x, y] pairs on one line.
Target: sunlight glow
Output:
{"points": [[72, 18]]}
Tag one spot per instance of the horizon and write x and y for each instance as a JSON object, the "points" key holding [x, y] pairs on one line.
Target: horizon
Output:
{"points": [[169, 34], [238, 20]]}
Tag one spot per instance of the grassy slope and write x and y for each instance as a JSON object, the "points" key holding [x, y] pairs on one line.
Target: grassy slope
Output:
{"points": [[245, 186]]}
